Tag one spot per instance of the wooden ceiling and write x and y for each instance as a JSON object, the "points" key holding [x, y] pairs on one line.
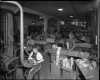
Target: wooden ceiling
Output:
{"points": [[69, 7]]}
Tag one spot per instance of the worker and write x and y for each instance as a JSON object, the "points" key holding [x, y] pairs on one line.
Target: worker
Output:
{"points": [[35, 58]]}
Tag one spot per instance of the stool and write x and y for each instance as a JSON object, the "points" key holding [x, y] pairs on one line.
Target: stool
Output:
{"points": [[30, 73]]}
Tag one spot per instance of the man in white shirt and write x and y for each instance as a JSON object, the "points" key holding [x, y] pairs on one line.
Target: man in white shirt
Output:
{"points": [[35, 56]]}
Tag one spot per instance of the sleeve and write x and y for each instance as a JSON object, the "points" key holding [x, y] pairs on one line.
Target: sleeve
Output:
{"points": [[30, 56], [39, 56]]}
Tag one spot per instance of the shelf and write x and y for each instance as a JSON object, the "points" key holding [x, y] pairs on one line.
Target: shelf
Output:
{"points": [[37, 24]]}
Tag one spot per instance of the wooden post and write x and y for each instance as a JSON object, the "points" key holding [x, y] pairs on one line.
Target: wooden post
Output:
{"points": [[45, 25], [98, 30], [58, 27]]}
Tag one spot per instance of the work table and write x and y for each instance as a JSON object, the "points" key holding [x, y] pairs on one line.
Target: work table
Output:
{"points": [[69, 53], [92, 74]]}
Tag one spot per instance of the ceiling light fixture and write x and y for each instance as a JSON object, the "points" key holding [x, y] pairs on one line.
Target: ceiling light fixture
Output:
{"points": [[60, 9], [71, 16]]}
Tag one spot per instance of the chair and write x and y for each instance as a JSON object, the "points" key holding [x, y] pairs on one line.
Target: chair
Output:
{"points": [[31, 73]]}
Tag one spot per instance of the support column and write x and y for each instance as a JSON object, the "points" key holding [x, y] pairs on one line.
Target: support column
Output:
{"points": [[98, 29], [45, 26]]}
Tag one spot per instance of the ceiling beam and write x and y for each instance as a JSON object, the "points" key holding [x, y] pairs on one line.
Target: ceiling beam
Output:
{"points": [[31, 11]]}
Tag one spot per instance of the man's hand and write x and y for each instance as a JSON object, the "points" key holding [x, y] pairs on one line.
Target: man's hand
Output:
{"points": [[32, 61]]}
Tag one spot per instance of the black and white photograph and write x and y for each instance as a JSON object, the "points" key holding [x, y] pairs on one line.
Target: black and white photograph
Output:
{"points": [[49, 40]]}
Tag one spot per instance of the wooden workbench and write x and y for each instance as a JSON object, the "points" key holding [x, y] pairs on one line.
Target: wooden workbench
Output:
{"points": [[90, 75], [69, 53]]}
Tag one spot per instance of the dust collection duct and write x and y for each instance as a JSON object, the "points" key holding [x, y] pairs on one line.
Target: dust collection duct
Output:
{"points": [[24, 62]]}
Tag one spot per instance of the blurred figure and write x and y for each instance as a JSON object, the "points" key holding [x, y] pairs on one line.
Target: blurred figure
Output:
{"points": [[72, 36]]}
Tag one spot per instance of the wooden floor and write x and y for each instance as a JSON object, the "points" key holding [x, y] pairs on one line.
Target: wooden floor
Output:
{"points": [[45, 73], [55, 72]]}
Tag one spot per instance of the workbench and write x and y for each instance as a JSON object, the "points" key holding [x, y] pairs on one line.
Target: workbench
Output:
{"points": [[75, 55], [90, 75]]}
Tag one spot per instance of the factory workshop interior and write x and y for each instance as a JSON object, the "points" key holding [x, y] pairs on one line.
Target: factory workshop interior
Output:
{"points": [[49, 40]]}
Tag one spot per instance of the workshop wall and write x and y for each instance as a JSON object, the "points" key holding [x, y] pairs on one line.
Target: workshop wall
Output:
{"points": [[27, 21]]}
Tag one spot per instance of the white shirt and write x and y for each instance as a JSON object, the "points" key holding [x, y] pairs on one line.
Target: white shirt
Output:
{"points": [[39, 57]]}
